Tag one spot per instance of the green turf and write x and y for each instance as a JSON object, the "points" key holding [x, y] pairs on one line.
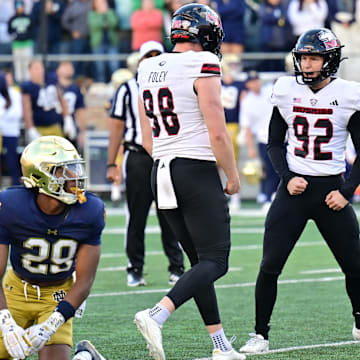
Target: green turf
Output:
{"points": [[306, 313]]}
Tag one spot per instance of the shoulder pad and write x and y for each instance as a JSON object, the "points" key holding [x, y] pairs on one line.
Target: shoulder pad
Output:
{"points": [[281, 88]]}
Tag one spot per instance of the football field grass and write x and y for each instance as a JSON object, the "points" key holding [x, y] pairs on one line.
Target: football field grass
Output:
{"points": [[312, 317]]}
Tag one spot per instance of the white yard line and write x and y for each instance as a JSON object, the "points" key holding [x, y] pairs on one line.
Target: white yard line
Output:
{"points": [[123, 268], [304, 347], [233, 248], [154, 229], [320, 271], [225, 286]]}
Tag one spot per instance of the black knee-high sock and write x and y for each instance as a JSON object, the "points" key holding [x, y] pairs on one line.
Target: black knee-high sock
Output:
{"points": [[265, 297], [353, 291]]}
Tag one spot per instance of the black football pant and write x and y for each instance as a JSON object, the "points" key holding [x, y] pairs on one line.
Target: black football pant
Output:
{"points": [[139, 199], [202, 224], [284, 224]]}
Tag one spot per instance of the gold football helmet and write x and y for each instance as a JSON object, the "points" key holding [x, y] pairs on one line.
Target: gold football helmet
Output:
{"points": [[120, 76], [52, 164], [252, 171]]}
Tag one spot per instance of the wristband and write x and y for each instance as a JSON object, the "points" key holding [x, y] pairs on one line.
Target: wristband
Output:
{"points": [[110, 165], [65, 309]]}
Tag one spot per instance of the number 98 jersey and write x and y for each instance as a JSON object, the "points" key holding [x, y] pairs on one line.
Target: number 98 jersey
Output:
{"points": [[43, 247], [317, 123], [166, 86]]}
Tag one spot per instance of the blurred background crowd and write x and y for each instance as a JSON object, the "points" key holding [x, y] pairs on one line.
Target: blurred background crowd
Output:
{"points": [[68, 57]]}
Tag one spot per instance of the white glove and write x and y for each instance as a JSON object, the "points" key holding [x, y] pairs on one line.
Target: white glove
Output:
{"points": [[32, 134], [16, 341], [40, 334], [69, 127], [79, 313]]}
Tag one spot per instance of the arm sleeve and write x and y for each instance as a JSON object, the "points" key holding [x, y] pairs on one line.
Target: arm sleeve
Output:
{"points": [[351, 183], [276, 146]]}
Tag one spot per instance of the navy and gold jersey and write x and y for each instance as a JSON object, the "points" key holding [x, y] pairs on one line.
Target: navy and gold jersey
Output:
{"points": [[43, 247], [230, 94], [45, 101]]}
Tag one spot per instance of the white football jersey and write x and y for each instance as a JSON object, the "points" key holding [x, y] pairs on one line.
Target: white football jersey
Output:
{"points": [[166, 86], [317, 123]]}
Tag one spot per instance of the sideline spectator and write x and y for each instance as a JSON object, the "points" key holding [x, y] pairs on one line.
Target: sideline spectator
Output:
{"points": [[232, 17], [74, 20], [10, 124], [103, 37], [74, 100], [306, 14], [256, 123], [274, 32], [7, 10], [54, 10], [146, 24], [231, 93], [44, 107], [20, 26]]}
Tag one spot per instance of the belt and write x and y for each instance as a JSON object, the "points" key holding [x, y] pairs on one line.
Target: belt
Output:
{"points": [[134, 147]]}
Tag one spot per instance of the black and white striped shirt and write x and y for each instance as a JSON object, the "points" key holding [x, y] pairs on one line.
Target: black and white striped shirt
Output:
{"points": [[125, 108]]}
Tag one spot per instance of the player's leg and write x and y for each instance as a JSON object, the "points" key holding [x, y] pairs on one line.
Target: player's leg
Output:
{"points": [[17, 303], [139, 198], [55, 352], [170, 243], [284, 224], [206, 218], [340, 230]]}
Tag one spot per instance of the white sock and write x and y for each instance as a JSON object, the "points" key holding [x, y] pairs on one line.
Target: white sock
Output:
{"points": [[220, 341], [82, 355], [159, 313]]}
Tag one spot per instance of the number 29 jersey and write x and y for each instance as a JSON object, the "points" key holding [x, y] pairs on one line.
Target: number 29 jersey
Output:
{"points": [[166, 86], [43, 248], [317, 123]]}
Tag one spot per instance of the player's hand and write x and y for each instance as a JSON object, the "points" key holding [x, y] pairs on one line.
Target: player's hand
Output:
{"points": [[40, 334], [297, 185], [16, 341], [69, 127], [38, 337], [335, 200], [112, 174], [32, 134], [232, 186]]}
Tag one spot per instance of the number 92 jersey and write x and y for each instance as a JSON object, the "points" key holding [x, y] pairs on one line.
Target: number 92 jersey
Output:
{"points": [[44, 247], [317, 123], [166, 86]]}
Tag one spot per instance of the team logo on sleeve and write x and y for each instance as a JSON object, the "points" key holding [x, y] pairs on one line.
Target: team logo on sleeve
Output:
{"points": [[210, 69]]}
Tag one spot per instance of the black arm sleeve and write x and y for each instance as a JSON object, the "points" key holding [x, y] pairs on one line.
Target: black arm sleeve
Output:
{"points": [[276, 146], [351, 183]]}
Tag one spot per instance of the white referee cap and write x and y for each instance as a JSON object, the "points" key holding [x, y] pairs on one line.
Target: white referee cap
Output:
{"points": [[150, 46]]}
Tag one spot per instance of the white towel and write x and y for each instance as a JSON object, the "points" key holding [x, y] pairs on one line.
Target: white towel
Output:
{"points": [[166, 197]]}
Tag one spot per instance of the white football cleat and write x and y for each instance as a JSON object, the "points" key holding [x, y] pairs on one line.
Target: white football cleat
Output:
{"points": [[87, 346], [356, 333], [227, 355], [151, 331], [256, 344]]}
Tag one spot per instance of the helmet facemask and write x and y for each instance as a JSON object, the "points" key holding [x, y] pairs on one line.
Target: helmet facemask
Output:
{"points": [[67, 181]]}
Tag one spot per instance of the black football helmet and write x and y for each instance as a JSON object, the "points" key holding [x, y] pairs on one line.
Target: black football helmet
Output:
{"points": [[319, 42], [198, 23]]}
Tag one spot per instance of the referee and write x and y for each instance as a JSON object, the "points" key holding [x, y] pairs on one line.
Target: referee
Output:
{"points": [[125, 123]]}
